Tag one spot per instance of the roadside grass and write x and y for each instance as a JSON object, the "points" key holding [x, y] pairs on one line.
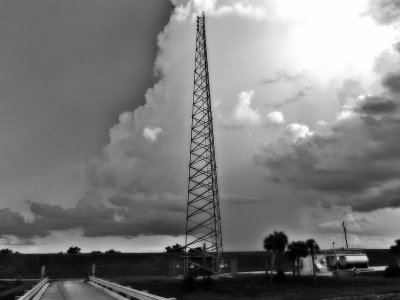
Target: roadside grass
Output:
{"points": [[10, 289], [257, 287]]}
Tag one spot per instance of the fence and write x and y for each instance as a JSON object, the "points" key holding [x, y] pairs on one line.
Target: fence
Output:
{"points": [[177, 268]]}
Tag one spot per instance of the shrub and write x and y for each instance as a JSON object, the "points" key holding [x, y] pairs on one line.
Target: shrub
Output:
{"points": [[74, 250], [175, 248], [392, 271], [6, 251], [112, 251]]}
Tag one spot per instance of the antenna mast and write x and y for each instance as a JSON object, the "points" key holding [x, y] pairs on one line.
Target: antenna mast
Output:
{"points": [[203, 220]]}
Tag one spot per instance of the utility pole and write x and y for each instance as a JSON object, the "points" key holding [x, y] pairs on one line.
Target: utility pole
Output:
{"points": [[345, 234], [203, 219]]}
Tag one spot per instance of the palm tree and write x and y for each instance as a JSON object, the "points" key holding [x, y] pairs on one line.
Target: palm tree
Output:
{"points": [[296, 250], [276, 243], [395, 249], [312, 246]]}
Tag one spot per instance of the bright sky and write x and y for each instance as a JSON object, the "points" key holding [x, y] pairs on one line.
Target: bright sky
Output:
{"points": [[95, 146]]}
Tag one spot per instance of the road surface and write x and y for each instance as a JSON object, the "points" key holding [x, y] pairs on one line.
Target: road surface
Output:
{"points": [[73, 289]]}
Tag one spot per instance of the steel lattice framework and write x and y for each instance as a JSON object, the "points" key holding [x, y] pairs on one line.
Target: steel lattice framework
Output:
{"points": [[203, 221]]}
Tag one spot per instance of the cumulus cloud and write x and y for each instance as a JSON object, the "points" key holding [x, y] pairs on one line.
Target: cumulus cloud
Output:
{"points": [[205, 5], [151, 134], [254, 12], [345, 112], [243, 113], [186, 9], [276, 117], [297, 131]]}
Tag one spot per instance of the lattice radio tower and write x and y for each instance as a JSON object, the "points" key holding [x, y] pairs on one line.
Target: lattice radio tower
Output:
{"points": [[203, 220]]}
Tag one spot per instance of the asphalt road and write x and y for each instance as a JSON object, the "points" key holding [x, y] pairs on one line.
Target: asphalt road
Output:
{"points": [[73, 289]]}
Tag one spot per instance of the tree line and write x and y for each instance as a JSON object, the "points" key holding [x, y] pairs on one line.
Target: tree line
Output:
{"points": [[70, 250], [277, 242]]}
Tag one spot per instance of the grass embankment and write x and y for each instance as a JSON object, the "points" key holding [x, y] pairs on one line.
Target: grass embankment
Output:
{"points": [[257, 287], [10, 289]]}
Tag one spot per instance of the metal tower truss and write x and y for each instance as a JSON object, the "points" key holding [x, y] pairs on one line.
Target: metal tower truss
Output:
{"points": [[203, 221]]}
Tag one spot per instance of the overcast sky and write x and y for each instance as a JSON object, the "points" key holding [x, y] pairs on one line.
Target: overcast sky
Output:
{"points": [[95, 100]]}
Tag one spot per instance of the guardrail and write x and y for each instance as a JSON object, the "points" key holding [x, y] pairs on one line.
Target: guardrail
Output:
{"points": [[125, 291], [36, 291]]}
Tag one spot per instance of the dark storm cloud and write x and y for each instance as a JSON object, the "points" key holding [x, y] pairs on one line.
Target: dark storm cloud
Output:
{"points": [[164, 202], [12, 223], [347, 180], [303, 165], [378, 202], [133, 216], [358, 156], [376, 105], [89, 214], [385, 11], [67, 69], [392, 82]]}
